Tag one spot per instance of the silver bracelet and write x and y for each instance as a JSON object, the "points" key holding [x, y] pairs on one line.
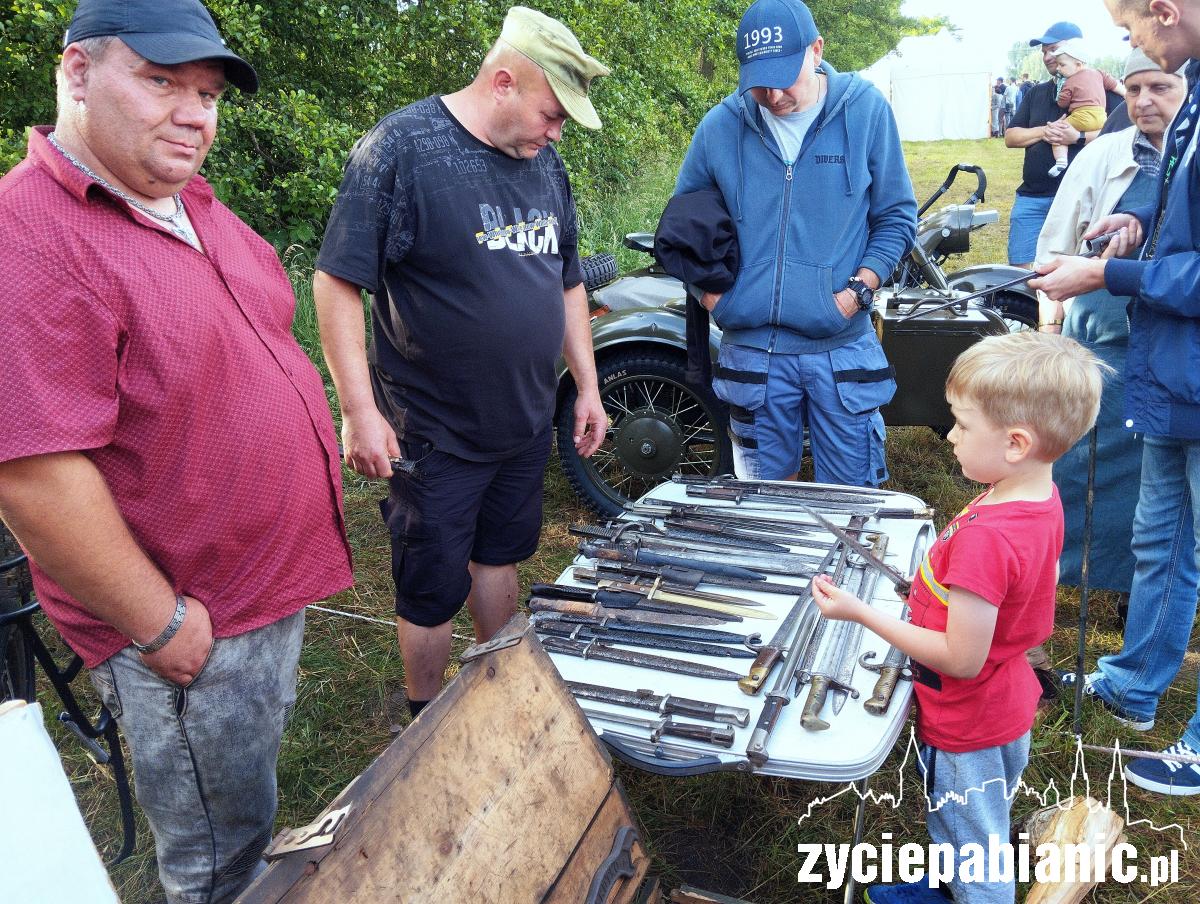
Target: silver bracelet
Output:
{"points": [[168, 632]]}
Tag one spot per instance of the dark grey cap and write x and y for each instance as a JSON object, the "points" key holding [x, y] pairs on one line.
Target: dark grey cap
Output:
{"points": [[167, 32]]}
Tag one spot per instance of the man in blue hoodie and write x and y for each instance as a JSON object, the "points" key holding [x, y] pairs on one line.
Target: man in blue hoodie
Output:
{"points": [[1162, 401], [809, 164]]}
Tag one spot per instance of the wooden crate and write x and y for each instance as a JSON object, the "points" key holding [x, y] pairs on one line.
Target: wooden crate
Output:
{"points": [[499, 791]]}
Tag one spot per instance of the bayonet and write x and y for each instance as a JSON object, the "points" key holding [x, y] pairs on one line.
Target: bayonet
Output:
{"points": [[902, 583], [676, 579], [768, 495], [779, 695], [762, 500], [627, 616], [721, 737], [672, 536], [891, 671], [652, 597], [747, 565], [667, 704], [651, 588], [630, 638], [827, 677], [797, 628], [683, 632], [635, 556], [724, 517], [791, 489], [597, 650], [894, 667], [844, 678]]}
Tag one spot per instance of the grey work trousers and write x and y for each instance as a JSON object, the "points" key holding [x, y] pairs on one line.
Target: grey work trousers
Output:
{"points": [[204, 756]]}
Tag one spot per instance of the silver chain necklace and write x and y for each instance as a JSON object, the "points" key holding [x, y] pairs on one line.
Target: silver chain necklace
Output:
{"points": [[176, 222]]}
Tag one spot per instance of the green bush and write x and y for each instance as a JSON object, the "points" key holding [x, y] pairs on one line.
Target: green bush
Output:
{"points": [[329, 71]]}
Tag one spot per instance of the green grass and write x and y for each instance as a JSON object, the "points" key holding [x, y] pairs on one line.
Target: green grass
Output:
{"points": [[731, 833]]}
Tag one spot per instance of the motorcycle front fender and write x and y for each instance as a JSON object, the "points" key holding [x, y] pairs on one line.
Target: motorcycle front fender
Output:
{"points": [[984, 276]]}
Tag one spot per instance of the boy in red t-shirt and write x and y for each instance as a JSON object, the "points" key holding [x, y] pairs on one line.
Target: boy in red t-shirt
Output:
{"points": [[984, 593]]}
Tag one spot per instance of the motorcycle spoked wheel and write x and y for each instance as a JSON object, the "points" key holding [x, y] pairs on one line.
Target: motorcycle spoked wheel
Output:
{"points": [[658, 426], [1019, 312], [16, 653]]}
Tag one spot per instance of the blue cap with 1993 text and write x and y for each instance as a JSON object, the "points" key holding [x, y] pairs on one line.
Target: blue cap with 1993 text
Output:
{"points": [[772, 39]]}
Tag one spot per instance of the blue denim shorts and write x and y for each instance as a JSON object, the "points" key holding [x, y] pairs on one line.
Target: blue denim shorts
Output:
{"points": [[835, 395]]}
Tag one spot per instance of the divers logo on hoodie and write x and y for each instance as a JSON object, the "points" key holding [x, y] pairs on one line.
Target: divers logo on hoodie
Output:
{"points": [[838, 159], [534, 232]]}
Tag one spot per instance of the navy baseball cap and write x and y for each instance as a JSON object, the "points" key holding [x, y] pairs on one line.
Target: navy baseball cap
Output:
{"points": [[1059, 31], [772, 39], [166, 32]]}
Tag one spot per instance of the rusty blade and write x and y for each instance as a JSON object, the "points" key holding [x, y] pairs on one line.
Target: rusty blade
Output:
{"points": [[903, 584]]}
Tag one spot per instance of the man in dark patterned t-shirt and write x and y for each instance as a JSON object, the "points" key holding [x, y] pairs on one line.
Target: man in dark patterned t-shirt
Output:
{"points": [[456, 214]]}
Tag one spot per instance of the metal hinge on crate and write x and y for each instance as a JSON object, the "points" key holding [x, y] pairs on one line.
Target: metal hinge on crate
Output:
{"points": [[496, 643], [315, 834]]}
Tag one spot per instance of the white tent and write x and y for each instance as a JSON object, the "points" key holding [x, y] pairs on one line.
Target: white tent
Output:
{"points": [[937, 88]]}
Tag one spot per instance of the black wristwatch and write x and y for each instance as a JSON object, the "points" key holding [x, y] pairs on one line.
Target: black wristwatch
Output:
{"points": [[863, 294]]}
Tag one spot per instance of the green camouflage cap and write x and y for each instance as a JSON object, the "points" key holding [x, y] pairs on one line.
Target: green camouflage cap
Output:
{"points": [[552, 46]]}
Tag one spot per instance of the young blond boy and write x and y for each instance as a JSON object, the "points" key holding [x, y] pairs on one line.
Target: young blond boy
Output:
{"points": [[984, 593]]}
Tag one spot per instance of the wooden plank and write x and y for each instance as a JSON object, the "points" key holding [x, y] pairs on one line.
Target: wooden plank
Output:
{"points": [[595, 846], [485, 800]]}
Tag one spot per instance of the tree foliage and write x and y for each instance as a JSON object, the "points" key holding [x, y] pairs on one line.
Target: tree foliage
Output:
{"points": [[1023, 58], [330, 70]]}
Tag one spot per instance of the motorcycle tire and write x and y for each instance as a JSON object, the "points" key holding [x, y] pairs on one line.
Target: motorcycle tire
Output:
{"points": [[16, 652], [1019, 311], [598, 270], [659, 425]]}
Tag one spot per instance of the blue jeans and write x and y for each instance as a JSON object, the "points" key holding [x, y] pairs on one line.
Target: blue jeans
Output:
{"points": [[987, 779], [204, 756], [1162, 602], [1024, 223]]}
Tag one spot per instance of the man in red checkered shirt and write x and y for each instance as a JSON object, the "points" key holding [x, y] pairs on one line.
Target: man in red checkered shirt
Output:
{"points": [[167, 456]]}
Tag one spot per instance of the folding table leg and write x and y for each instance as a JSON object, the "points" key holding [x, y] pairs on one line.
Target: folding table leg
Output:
{"points": [[860, 824]]}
